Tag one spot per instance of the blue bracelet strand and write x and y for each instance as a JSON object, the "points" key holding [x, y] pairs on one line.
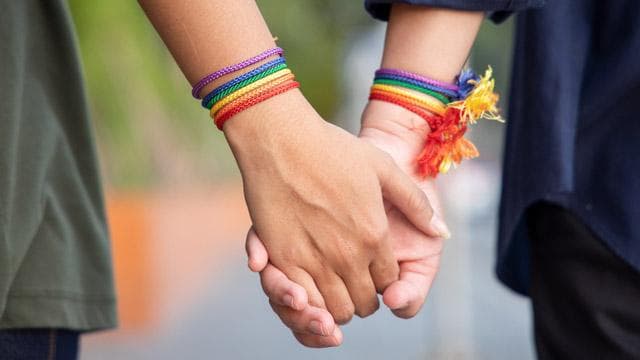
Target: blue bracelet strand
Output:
{"points": [[239, 79]]}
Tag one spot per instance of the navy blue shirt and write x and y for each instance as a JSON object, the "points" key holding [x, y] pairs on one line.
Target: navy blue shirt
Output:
{"points": [[573, 128]]}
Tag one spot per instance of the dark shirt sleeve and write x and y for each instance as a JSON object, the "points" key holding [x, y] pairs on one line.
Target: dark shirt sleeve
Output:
{"points": [[498, 9]]}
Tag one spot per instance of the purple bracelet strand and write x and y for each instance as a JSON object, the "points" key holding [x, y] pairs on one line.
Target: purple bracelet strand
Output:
{"points": [[412, 81], [231, 69], [416, 77]]}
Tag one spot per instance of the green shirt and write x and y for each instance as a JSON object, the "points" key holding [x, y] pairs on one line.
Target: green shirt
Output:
{"points": [[55, 265]]}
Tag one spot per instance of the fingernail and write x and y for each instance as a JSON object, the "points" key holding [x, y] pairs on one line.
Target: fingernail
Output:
{"points": [[441, 227], [288, 301], [316, 328]]}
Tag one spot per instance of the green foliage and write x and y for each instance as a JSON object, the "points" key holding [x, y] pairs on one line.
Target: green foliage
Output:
{"points": [[314, 32], [133, 87]]}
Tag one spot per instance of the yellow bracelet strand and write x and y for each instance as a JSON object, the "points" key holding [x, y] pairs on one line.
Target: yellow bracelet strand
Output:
{"points": [[234, 95], [415, 98]]}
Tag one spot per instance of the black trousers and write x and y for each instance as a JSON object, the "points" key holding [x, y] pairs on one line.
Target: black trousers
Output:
{"points": [[39, 344], [586, 300]]}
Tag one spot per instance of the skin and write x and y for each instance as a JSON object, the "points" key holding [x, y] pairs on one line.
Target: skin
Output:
{"points": [[418, 255], [314, 192], [428, 41]]}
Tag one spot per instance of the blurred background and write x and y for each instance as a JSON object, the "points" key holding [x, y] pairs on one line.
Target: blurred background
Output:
{"points": [[178, 219]]}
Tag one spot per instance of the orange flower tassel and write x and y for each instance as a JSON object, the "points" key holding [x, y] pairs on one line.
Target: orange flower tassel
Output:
{"points": [[445, 146]]}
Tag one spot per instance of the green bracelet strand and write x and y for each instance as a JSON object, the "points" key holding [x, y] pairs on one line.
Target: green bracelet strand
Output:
{"points": [[443, 99], [244, 83]]}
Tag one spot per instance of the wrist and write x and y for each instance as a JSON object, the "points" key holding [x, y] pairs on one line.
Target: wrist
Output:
{"points": [[392, 120], [267, 127], [265, 117]]}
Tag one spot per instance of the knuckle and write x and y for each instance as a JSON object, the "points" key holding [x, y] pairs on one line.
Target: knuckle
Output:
{"points": [[352, 265], [368, 309], [343, 313], [418, 202], [375, 235], [386, 274], [384, 283]]}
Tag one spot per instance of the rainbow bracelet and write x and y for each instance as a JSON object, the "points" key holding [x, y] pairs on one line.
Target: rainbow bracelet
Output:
{"points": [[252, 79], [233, 68], [412, 97], [408, 81], [416, 77], [242, 91], [255, 86], [445, 145], [269, 65], [255, 97], [441, 97]]}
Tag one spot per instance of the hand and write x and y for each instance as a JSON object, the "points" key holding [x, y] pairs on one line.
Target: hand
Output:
{"points": [[312, 326], [401, 134], [314, 194]]}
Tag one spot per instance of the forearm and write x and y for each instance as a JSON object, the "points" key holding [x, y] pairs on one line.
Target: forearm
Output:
{"points": [[433, 42], [207, 35]]}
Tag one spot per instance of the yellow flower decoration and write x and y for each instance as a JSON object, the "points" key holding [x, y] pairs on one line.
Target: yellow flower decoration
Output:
{"points": [[481, 102]]}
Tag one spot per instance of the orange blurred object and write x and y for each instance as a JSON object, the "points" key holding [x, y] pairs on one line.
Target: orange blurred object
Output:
{"points": [[168, 247], [129, 226]]}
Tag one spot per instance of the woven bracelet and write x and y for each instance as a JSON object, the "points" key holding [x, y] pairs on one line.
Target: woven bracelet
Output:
{"points": [[231, 69]]}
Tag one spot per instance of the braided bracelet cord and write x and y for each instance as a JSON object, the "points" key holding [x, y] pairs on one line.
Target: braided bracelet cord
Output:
{"points": [[417, 77], [408, 100], [434, 107], [450, 93], [217, 106], [442, 98], [416, 99], [433, 120], [258, 70], [220, 121], [233, 68], [244, 83], [254, 93]]}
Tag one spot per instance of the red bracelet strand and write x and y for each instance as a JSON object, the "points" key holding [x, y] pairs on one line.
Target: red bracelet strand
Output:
{"points": [[269, 93]]}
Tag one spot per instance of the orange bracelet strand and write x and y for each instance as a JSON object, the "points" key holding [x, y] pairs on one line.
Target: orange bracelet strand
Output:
{"points": [[255, 92], [238, 106]]}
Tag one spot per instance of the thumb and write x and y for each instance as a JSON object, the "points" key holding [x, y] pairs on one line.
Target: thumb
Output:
{"points": [[406, 296], [257, 253], [401, 191]]}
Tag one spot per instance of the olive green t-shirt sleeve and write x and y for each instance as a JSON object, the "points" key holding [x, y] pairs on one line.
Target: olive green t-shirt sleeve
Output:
{"points": [[55, 262]]}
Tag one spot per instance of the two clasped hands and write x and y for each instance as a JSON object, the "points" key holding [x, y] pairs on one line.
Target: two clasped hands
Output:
{"points": [[337, 219], [339, 227]]}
